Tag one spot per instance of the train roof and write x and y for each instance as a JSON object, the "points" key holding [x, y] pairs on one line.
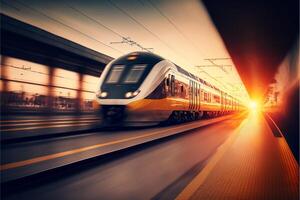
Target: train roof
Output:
{"points": [[138, 57], [185, 72], [141, 56]]}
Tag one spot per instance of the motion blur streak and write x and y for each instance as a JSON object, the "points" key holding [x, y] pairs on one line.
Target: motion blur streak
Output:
{"points": [[261, 162]]}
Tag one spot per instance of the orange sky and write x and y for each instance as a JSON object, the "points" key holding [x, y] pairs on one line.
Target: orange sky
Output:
{"points": [[181, 31]]}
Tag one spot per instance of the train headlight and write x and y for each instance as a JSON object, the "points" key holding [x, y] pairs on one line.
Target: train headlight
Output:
{"points": [[100, 94], [128, 94], [103, 94], [135, 93], [132, 94]]}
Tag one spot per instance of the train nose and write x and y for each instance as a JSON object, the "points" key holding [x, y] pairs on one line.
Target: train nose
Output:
{"points": [[114, 113]]}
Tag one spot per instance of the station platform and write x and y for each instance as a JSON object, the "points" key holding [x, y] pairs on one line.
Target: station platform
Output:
{"points": [[16, 128], [254, 163]]}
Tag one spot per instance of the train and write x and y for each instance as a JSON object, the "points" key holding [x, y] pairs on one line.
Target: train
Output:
{"points": [[144, 88]]}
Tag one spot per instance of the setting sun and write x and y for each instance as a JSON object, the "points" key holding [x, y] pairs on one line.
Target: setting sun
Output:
{"points": [[253, 105]]}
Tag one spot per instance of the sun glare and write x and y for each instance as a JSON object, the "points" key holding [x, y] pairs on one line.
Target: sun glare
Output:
{"points": [[253, 105]]}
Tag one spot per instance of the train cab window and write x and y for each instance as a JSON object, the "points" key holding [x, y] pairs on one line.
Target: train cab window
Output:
{"points": [[135, 74], [115, 74]]}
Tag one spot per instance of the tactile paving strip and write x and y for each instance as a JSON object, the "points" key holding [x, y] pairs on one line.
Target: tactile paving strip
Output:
{"points": [[257, 166]]}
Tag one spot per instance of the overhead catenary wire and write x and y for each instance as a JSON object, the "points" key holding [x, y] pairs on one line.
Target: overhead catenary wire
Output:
{"points": [[175, 26], [147, 29], [10, 6], [70, 27], [182, 34], [113, 31], [94, 20], [124, 39], [155, 35]]}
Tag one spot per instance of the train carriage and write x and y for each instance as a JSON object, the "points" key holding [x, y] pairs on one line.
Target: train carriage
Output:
{"points": [[144, 88]]}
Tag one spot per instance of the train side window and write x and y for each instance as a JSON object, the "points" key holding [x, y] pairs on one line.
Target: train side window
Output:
{"points": [[216, 98], [205, 96]]}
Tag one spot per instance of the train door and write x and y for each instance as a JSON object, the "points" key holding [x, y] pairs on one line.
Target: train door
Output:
{"points": [[221, 100], [198, 96], [190, 94], [225, 102], [235, 105], [194, 95], [168, 85], [172, 85]]}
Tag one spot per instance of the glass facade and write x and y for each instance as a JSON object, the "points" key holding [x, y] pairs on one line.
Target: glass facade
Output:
{"points": [[28, 85]]}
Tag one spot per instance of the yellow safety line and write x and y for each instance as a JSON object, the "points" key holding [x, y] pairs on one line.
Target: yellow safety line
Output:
{"points": [[83, 149], [193, 186], [47, 123], [278, 129], [41, 127], [281, 138], [41, 120], [74, 151]]}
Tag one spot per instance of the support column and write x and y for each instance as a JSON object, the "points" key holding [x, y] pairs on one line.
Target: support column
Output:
{"points": [[50, 95], [79, 100], [4, 92]]}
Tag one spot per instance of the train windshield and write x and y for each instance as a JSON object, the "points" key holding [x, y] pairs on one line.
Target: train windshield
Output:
{"points": [[132, 75], [135, 74], [115, 74], [127, 73]]}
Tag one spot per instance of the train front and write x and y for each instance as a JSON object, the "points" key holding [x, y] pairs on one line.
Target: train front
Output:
{"points": [[124, 85]]}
